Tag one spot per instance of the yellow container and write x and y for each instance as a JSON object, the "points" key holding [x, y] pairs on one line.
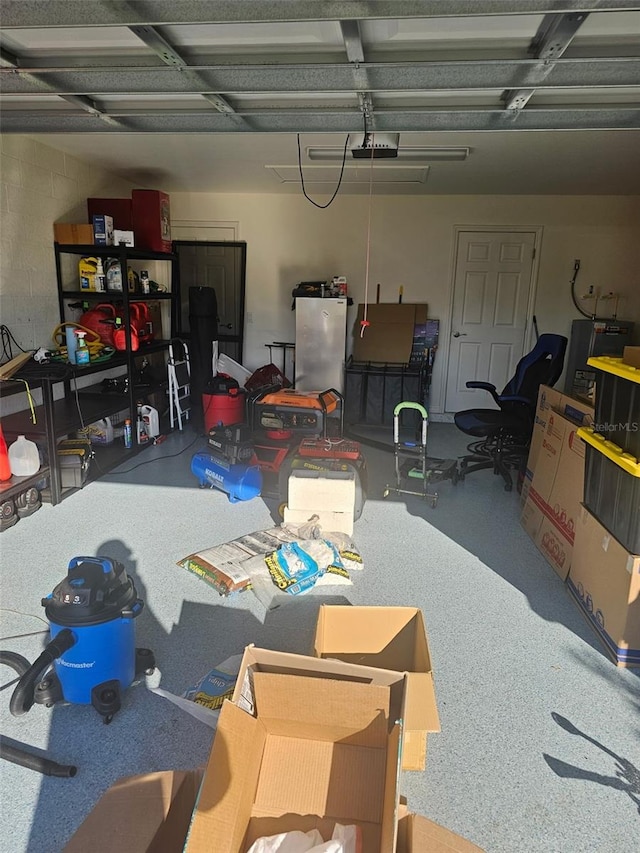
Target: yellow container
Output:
{"points": [[87, 269]]}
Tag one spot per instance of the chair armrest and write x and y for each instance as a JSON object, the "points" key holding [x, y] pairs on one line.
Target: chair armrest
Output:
{"points": [[484, 386]]}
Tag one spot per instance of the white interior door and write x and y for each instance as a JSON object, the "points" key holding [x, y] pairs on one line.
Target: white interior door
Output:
{"points": [[492, 284]]}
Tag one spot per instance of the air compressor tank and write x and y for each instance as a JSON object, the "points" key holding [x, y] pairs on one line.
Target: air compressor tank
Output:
{"points": [[240, 482]]}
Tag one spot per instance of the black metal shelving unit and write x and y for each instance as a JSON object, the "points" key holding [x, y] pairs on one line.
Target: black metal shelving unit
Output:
{"points": [[79, 407]]}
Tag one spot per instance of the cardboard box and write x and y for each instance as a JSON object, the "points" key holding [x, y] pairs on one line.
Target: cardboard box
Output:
{"points": [[631, 355], [551, 400], [151, 220], [389, 337], [140, 814], [151, 814], [392, 638], [417, 834], [605, 583], [556, 491], [123, 238], [553, 485], [69, 233], [319, 748], [103, 229]]}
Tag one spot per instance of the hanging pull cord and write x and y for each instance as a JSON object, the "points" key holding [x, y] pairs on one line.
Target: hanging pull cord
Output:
{"points": [[364, 322]]}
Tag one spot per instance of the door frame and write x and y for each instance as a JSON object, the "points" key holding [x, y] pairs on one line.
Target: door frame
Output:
{"points": [[236, 244], [528, 330]]}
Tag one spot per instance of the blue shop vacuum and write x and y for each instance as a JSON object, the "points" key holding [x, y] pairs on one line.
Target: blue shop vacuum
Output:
{"points": [[92, 656]]}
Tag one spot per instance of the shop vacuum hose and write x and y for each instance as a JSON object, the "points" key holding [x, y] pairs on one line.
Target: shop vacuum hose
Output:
{"points": [[22, 698], [15, 752]]}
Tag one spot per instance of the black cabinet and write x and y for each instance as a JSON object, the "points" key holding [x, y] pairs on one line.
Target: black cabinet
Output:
{"points": [[69, 401]]}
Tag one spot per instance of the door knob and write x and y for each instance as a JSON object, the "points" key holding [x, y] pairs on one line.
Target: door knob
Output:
{"points": [[459, 334]]}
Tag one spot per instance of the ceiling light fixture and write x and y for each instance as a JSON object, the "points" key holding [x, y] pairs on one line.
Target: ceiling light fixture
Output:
{"points": [[407, 153]]}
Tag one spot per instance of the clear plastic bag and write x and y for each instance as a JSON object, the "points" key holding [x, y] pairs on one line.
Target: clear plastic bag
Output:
{"points": [[345, 839]]}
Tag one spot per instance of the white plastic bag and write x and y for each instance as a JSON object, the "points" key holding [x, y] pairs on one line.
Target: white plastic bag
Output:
{"points": [[345, 839]]}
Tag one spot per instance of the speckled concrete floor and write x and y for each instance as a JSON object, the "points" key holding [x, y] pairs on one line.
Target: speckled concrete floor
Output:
{"points": [[513, 657]]}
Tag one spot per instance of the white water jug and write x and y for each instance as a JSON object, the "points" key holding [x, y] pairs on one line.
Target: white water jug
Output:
{"points": [[151, 421], [24, 457]]}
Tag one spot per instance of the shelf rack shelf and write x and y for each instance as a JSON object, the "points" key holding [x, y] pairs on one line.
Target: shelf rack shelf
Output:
{"points": [[58, 416]]}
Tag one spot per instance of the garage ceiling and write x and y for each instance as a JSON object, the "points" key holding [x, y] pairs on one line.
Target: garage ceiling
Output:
{"points": [[202, 95]]}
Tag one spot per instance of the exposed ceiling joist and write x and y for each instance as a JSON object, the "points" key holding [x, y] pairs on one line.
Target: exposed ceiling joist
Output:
{"points": [[391, 76], [554, 36], [330, 77], [8, 60], [71, 13], [620, 117], [354, 48], [170, 56], [352, 41]]}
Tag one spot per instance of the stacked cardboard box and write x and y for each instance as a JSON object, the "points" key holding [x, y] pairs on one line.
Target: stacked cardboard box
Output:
{"points": [[605, 583], [553, 487], [604, 579]]}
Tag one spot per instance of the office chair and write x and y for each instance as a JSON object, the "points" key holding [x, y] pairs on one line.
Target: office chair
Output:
{"points": [[505, 433]]}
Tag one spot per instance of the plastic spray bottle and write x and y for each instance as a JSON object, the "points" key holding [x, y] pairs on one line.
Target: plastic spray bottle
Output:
{"points": [[82, 352]]}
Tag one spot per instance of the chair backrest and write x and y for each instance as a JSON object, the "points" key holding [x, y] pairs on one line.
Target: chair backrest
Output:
{"points": [[542, 366]]}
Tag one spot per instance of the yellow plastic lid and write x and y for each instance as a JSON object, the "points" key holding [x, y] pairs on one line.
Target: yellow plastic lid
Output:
{"points": [[616, 366], [616, 454]]}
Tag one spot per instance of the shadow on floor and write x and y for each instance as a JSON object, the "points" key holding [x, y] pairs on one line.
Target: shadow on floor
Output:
{"points": [[626, 777], [484, 519], [149, 733]]}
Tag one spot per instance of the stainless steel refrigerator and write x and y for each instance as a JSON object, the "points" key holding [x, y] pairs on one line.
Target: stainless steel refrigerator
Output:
{"points": [[321, 340]]}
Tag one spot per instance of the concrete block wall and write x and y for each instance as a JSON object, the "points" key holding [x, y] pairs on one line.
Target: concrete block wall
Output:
{"points": [[39, 186]]}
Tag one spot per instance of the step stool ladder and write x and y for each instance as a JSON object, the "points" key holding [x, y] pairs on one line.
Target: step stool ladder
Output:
{"points": [[179, 368]]}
